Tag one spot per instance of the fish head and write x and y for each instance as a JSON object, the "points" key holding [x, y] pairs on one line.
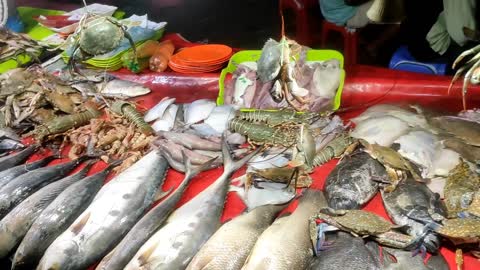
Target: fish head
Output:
{"points": [[59, 255]]}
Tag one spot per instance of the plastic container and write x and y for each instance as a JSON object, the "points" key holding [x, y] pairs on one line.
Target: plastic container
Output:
{"points": [[403, 60], [254, 55]]}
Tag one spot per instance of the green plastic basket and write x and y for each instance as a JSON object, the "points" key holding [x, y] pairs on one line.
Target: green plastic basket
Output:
{"points": [[254, 55]]}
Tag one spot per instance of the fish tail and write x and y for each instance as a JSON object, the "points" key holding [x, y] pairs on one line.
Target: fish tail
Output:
{"points": [[230, 165], [192, 171]]}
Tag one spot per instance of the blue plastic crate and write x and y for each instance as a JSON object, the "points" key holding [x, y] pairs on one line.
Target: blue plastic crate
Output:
{"points": [[403, 60]]}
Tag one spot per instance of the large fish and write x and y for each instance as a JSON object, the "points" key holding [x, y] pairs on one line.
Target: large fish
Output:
{"points": [[12, 173], [26, 184], [56, 218], [190, 226], [286, 244], [9, 161], [15, 225], [149, 224], [354, 181], [114, 210], [229, 247]]}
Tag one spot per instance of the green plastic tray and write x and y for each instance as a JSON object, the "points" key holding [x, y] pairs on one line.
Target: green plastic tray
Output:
{"points": [[254, 55]]}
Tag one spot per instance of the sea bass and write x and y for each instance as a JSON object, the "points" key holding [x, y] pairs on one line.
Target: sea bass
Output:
{"points": [[15, 225], [149, 224], [56, 218], [9, 161], [114, 210], [286, 244], [190, 226], [229, 247], [26, 184], [12, 173]]}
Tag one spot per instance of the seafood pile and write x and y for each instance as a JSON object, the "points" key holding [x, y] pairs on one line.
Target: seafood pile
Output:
{"points": [[283, 78], [13, 45]]}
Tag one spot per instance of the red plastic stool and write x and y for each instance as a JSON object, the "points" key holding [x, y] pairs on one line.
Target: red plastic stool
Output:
{"points": [[350, 41], [303, 22]]}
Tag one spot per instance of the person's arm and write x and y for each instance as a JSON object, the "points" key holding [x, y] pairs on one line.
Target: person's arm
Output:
{"points": [[355, 2]]}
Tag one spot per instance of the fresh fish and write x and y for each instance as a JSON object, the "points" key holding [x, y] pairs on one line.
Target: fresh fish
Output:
{"points": [[271, 159], [413, 119], [167, 121], [7, 144], [198, 110], [149, 224], [236, 138], [205, 130], [176, 150], [420, 147], [472, 115], [10, 174], [18, 189], [326, 79], [229, 247], [412, 201], [14, 159], [56, 218], [158, 110], [346, 252], [468, 131], [219, 117], [445, 160], [269, 62], [15, 225], [383, 130], [122, 89], [405, 261], [286, 243], [264, 193], [190, 226], [354, 181], [468, 152], [190, 141], [113, 212]]}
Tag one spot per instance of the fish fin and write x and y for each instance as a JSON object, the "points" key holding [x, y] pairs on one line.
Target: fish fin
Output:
{"points": [[162, 194], [80, 224], [192, 171], [143, 259], [229, 164]]}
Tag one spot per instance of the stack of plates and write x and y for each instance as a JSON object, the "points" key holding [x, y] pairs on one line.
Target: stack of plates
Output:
{"points": [[200, 59]]}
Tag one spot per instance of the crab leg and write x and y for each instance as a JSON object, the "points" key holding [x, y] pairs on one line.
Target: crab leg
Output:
{"points": [[455, 77], [466, 80], [473, 50], [459, 259]]}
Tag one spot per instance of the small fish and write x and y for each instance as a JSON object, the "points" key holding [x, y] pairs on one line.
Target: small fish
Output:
{"points": [[15, 225], [286, 243], [167, 121], [228, 248], [14, 159], [56, 218], [18, 189], [158, 110], [198, 110], [148, 224], [122, 89], [10, 174], [112, 213], [190, 141], [190, 226]]}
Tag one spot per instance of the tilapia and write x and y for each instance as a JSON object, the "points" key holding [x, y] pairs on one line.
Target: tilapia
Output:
{"points": [[190, 141], [198, 110], [229, 247], [286, 244], [15, 225], [382, 130], [405, 261], [14, 159], [468, 131], [122, 89], [148, 224], [346, 252], [56, 218], [158, 110], [114, 211], [410, 202], [18, 189], [190, 226], [10, 174], [354, 181]]}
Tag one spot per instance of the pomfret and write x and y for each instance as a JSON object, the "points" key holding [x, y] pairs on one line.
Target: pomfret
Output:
{"points": [[198, 110], [122, 89], [15, 225], [14, 159], [114, 210], [354, 181], [286, 244], [167, 121], [18, 189], [10, 174], [56, 218], [148, 224], [468, 131], [158, 110], [190, 141], [190, 226], [229, 247]]}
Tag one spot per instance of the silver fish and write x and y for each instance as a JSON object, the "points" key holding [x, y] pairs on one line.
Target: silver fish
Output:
{"points": [[14, 159], [190, 226], [15, 225], [10, 174], [351, 184], [149, 224], [286, 244], [198, 110], [114, 211], [122, 89], [190, 141], [229, 247], [26, 184], [56, 218], [158, 110]]}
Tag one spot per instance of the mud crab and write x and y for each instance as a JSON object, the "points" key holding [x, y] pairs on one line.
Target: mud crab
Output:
{"points": [[471, 70], [394, 163], [359, 223]]}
